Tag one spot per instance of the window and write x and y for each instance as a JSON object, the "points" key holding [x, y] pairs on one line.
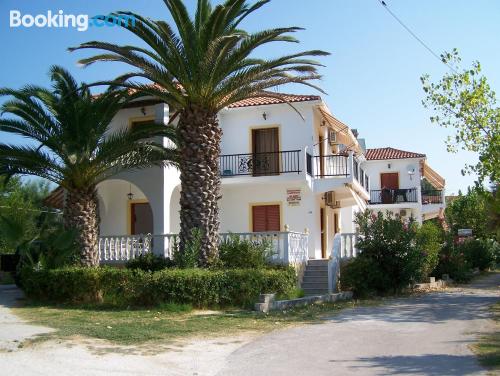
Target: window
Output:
{"points": [[135, 122], [266, 218]]}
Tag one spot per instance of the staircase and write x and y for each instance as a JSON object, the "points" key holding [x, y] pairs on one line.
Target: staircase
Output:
{"points": [[315, 281]]}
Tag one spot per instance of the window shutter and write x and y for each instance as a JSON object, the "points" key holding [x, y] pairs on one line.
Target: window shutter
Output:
{"points": [[273, 218], [266, 218], [259, 218]]}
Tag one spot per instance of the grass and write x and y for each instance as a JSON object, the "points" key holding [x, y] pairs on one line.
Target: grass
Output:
{"points": [[488, 347], [168, 322]]}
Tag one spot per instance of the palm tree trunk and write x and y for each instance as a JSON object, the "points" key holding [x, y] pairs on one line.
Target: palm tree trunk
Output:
{"points": [[81, 212], [199, 145]]}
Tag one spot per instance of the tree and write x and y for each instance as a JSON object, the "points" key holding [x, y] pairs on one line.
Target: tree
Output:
{"points": [[74, 147], [465, 101], [469, 211], [22, 201], [198, 68]]}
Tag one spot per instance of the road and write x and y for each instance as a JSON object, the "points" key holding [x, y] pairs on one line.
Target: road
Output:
{"points": [[422, 335]]}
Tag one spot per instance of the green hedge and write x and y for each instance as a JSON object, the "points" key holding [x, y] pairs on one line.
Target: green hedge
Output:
{"points": [[124, 287]]}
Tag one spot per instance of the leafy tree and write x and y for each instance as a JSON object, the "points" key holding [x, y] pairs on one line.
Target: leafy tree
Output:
{"points": [[465, 101], [74, 146], [22, 201], [469, 211], [199, 66]]}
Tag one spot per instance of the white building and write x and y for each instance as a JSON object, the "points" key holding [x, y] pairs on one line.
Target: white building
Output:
{"points": [[295, 175], [402, 182]]}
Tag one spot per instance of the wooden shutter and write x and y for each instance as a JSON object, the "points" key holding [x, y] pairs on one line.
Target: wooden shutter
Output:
{"points": [[266, 218]]}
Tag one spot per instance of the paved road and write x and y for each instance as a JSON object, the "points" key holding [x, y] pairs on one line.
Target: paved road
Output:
{"points": [[425, 335]]}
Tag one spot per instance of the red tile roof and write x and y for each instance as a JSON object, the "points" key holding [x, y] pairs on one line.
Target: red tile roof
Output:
{"points": [[390, 153], [261, 101]]}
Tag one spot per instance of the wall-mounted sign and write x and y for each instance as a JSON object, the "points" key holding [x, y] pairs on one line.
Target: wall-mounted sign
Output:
{"points": [[464, 232], [293, 196]]}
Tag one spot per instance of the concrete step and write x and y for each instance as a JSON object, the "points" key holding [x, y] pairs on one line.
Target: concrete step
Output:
{"points": [[317, 268], [316, 273], [317, 279], [317, 262], [314, 285]]}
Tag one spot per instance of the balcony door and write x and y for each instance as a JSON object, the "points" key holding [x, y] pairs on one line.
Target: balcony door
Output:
{"points": [[265, 149], [389, 182]]}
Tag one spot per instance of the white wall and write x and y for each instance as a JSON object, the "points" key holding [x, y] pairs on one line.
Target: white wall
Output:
{"points": [[375, 168]]}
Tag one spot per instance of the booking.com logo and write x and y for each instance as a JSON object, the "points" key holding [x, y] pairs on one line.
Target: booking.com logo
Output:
{"points": [[60, 20]]}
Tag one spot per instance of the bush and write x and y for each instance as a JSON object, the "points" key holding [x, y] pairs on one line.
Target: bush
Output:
{"points": [[389, 259], [149, 262], [237, 253], [478, 253], [127, 287], [429, 239], [190, 255], [453, 262]]}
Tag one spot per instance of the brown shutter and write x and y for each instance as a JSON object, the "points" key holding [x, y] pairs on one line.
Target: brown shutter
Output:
{"points": [[259, 218], [273, 217], [266, 218]]}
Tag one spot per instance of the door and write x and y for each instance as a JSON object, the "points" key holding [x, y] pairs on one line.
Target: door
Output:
{"points": [[389, 182], [141, 218], [265, 149], [266, 218], [323, 232]]}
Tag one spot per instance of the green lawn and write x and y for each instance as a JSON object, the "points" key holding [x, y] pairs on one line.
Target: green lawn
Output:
{"points": [[167, 322], [488, 347]]}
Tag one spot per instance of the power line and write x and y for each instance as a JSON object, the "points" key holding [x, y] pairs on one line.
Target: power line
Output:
{"points": [[415, 36]]}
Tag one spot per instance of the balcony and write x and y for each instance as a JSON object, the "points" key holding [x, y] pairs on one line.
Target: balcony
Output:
{"points": [[260, 164], [337, 165], [393, 196], [432, 197]]}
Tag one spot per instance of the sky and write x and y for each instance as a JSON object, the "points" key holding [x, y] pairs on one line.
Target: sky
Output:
{"points": [[372, 76]]}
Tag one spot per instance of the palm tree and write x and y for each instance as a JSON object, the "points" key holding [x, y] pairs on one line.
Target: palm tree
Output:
{"points": [[74, 146], [198, 68]]}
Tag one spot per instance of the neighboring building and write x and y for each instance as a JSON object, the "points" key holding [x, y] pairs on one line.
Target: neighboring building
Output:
{"points": [[402, 182]]}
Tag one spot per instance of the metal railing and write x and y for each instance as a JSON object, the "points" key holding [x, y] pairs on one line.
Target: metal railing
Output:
{"points": [[287, 247], [432, 197], [260, 164], [329, 165], [393, 196]]}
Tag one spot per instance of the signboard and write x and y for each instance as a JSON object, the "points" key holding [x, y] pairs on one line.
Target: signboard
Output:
{"points": [[464, 232], [293, 196]]}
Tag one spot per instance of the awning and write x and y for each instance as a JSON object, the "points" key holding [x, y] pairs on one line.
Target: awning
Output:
{"points": [[344, 133], [55, 199], [432, 176]]}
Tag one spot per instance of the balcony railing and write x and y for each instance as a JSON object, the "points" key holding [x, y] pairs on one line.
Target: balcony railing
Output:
{"points": [[260, 164], [432, 197], [393, 196], [327, 165]]}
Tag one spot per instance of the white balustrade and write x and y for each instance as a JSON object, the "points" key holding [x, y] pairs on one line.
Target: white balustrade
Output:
{"points": [[287, 247], [344, 247]]}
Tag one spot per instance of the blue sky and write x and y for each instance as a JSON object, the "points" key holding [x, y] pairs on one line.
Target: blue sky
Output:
{"points": [[372, 76]]}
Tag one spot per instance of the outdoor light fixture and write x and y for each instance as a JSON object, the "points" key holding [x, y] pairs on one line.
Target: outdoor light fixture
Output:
{"points": [[143, 110], [264, 115], [389, 166], [130, 195]]}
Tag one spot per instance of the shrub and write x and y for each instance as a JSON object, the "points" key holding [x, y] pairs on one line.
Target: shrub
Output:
{"points": [[429, 239], [389, 259], [478, 253], [237, 253], [149, 262], [127, 287], [190, 255], [453, 262]]}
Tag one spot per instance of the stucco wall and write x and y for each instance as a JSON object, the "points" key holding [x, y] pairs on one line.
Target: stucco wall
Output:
{"points": [[375, 168]]}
